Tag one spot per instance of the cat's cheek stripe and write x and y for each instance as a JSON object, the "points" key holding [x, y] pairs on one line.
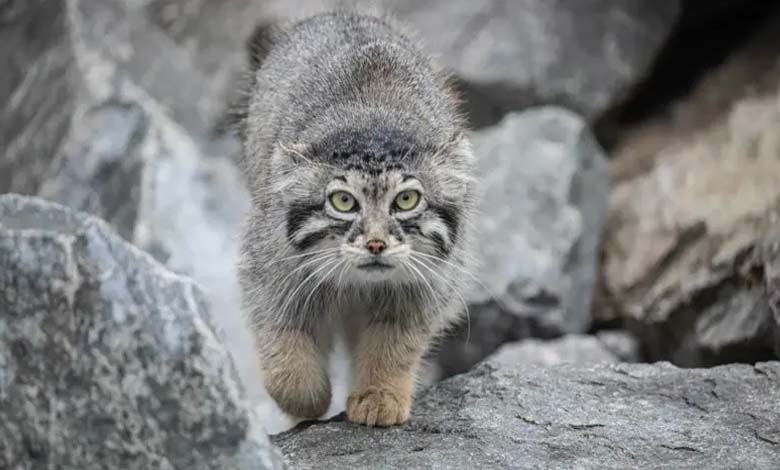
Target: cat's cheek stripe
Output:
{"points": [[411, 227], [441, 247], [310, 240], [450, 215], [297, 215]]}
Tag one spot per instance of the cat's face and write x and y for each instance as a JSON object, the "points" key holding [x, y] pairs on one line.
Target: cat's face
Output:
{"points": [[360, 224]]}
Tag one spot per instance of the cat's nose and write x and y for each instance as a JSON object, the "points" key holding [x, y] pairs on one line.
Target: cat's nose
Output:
{"points": [[375, 246]]}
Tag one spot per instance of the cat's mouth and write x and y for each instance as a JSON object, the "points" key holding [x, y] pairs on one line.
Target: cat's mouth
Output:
{"points": [[375, 266]]}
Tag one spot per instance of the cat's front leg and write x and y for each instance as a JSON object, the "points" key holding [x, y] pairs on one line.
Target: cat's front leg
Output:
{"points": [[387, 359], [295, 373]]}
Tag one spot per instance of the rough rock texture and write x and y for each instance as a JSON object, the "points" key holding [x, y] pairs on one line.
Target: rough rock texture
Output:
{"points": [[107, 360], [688, 263], [583, 55], [545, 189], [570, 349], [614, 416]]}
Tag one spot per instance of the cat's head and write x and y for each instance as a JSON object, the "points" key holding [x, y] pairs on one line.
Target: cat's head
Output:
{"points": [[367, 212]]}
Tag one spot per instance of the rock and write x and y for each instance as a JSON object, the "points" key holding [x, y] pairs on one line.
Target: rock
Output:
{"points": [[122, 35], [545, 189], [107, 359], [608, 416], [687, 257], [36, 105], [582, 55], [748, 73], [135, 152], [570, 349], [213, 34], [622, 344]]}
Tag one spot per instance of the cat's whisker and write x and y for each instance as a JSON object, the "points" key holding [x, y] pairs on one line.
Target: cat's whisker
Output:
{"points": [[427, 284], [492, 293], [343, 270], [290, 297], [317, 286], [303, 255], [304, 265], [454, 289]]}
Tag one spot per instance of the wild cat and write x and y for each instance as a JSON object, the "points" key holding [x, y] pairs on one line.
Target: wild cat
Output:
{"points": [[362, 188]]}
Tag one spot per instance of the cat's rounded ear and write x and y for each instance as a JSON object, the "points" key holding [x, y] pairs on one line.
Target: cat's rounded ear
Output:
{"points": [[287, 157], [460, 145], [291, 166], [453, 167]]}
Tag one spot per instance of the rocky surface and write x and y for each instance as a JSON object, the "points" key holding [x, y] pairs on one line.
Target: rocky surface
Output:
{"points": [[545, 189], [108, 360], [511, 55], [612, 416], [688, 257]]}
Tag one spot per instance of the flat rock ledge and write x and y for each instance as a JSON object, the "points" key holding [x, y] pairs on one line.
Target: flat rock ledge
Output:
{"points": [[609, 416]]}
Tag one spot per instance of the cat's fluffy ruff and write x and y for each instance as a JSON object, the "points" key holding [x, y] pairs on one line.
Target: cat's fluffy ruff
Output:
{"points": [[344, 112]]}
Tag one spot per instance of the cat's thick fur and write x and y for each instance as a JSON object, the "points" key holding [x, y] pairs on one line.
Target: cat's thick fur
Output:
{"points": [[345, 103]]}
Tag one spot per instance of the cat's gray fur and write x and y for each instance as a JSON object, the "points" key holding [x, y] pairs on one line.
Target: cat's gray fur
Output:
{"points": [[346, 101]]}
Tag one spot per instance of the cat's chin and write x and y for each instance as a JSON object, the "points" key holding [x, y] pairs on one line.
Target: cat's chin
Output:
{"points": [[374, 274]]}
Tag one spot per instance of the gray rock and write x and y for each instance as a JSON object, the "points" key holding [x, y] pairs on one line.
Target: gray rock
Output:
{"points": [[121, 34], [610, 416], [107, 360], [212, 34], [622, 344], [583, 55], [570, 349], [545, 190], [36, 103], [134, 152]]}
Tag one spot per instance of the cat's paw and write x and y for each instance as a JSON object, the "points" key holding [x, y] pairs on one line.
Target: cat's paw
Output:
{"points": [[375, 406], [300, 396], [296, 378]]}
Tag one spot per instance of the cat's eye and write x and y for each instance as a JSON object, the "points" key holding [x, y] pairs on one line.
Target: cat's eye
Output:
{"points": [[407, 200], [342, 201]]}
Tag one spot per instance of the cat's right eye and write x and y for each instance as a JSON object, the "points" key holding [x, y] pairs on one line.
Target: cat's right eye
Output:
{"points": [[342, 201]]}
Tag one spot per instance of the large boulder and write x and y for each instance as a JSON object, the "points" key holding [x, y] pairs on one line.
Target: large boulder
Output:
{"points": [[213, 35], [544, 199], [609, 416], [509, 55], [108, 360], [134, 151], [689, 258]]}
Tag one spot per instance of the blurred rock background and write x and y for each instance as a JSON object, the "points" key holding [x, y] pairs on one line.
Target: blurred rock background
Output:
{"points": [[630, 153]]}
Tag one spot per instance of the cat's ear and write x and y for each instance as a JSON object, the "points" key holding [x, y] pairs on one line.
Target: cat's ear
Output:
{"points": [[454, 166], [286, 157], [259, 44], [290, 164]]}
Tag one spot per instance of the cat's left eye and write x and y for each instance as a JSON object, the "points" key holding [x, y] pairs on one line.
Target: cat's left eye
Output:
{"points": [[407, 200]]}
